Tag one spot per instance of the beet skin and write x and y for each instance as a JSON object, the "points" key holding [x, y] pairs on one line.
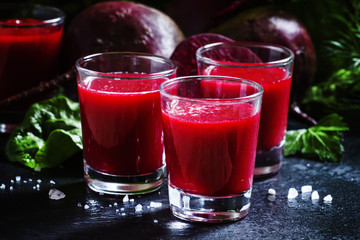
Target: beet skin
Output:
{"points": [[274, 26], [120, 26]]}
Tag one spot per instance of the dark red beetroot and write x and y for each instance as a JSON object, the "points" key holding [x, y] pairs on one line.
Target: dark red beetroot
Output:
{"points": [[120, 26], [275, 26], [185, 53]]}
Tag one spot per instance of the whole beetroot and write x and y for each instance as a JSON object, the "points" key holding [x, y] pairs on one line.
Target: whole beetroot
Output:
{"points": [[184, 54], [270, 25], [120, 26]]}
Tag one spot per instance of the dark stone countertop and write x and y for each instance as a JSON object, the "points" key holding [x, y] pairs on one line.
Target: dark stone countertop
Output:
{"points": [[26, 212]]}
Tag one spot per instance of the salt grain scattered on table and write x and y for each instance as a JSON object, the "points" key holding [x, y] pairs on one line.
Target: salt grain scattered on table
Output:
{"points": [[271, 191], [156, 221], [306, 188], [56, 194], [138, 208], [315, 195], [155, 204], [328, 198], [86, 206], [3, 186], [18, 178], [293, 193], [126, 198]]}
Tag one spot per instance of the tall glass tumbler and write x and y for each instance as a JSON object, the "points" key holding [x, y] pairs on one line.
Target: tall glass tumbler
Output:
{"points": [[30, 40], [121, 120], [269, 65], [210, 131]]}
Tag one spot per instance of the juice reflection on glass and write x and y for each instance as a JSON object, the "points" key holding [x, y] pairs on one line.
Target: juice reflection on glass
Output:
{"points": [[211, 129], [121, 121], [270, 66], [30, 40]]}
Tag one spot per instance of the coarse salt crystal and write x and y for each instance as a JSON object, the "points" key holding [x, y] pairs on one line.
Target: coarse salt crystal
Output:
{"points": [[126, 198], [2, 186], [293, 193], [155, 204], [156, 221], [328, 198], [11, 188], [86, 206], [306, 188], [138, 208], [132, 200], [123, 214], [56, 194], [18, 178], [39, 180], [271, 191], [52, 182], [315, 195]]}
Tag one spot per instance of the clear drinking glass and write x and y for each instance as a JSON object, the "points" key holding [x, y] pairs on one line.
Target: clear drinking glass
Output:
{"points": [[269, 65], [30, 40], [210, 131], [121, 120]]}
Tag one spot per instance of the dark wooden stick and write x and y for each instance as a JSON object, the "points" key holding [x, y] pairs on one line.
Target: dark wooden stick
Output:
{"points": [[43, 87]]}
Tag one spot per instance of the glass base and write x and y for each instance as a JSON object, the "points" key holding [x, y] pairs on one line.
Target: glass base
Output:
{"points": [[268, 163], [123, 185], [210, 209]]}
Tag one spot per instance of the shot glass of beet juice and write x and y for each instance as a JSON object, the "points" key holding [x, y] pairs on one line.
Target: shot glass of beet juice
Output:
{"points": [[211, 128], [30, 40], [269, 65], [121, 120]]}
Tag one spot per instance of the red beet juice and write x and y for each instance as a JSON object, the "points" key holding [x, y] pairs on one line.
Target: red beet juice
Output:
{"points": [[121, 122], [29, 52], [274, 111], [210, 148]]}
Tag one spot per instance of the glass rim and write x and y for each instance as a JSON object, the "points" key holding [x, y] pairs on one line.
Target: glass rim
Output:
{"points": [[56, 20], [172, 65], [233, 100], [276, 63]]}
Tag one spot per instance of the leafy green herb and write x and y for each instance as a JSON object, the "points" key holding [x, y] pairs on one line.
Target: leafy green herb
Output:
{"points": [[322, 141], [339, 94], [49, 134]]}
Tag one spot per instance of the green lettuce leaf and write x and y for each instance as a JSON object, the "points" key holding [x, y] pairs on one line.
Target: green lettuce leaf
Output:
{"points": [[49, 134]]}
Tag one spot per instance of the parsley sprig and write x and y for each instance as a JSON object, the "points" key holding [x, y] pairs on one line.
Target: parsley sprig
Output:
{"points": [[322, 141]]}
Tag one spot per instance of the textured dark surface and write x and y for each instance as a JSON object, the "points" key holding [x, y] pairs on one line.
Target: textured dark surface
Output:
{"points": [[28, 213]]}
